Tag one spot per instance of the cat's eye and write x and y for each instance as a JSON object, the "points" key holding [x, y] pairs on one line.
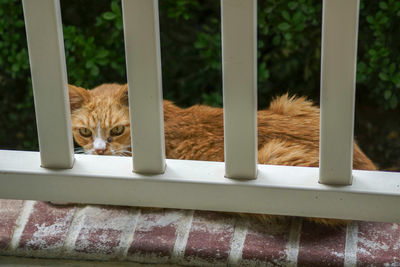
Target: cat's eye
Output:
{"points": [[118, 130], [85, 132]]}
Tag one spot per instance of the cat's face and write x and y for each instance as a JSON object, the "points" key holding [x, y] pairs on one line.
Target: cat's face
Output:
{"points": [[100, 119]]}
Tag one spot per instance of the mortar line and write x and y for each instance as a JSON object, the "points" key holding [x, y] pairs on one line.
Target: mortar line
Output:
{"points": [[350, 252], [237, 244], [21, 222], [130, 233], [293, 244], [183, 234]]}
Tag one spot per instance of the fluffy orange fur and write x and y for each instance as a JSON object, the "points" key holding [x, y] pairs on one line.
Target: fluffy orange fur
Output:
{"points": [[288, 131]]}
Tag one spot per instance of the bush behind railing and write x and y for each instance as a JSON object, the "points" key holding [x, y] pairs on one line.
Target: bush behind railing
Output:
{"points": [[288, 54]]}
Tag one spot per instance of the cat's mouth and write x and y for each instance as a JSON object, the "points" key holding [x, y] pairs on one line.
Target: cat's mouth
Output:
{"points": [[125, 151]]}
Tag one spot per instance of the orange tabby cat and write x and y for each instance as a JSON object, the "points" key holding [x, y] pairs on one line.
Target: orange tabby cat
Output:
{"points": [[288, 131]]}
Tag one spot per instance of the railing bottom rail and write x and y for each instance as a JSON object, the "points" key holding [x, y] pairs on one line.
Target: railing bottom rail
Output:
{"points": [[201, 185]]}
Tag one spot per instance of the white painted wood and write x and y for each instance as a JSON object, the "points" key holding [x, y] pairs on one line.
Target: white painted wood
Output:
{"points": [[201, 185], [143, 63], [338, 74], [239, 65], [49, 80]]}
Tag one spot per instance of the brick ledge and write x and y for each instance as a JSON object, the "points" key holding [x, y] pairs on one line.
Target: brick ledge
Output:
{"points": [[180, 237]]}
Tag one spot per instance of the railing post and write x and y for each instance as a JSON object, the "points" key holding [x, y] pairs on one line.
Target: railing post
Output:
{"points": [[143, 64], [338, 74], [49, 80], [239, 64]]}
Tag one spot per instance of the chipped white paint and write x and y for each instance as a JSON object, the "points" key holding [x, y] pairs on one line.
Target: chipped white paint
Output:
{"points": [[21, 222], [293, 244]]}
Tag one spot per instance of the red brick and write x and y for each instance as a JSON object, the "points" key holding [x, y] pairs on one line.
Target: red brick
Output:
{"points": [[156, 233], [378, 244], [47, 226], [102, 229], [9, 212], [321, 245], [266, 242], [210, 237]]}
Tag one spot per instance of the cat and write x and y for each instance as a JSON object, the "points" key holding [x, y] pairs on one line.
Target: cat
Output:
{"points": [[287, 131]]}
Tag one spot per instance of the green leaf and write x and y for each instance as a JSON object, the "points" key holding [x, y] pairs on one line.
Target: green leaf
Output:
{"points": [[102, 54], [383, 76], [263, 72], [89, 64], [15, 67], [393, 102], [284, 26], [361, 66], [288, 36], [370, 19], [276, 40], [95, 71], [383, 5], [372, 52], [115, 7], [119, 24], [292, 5], [286, 15], [387, 94], [109, 15], [392, 68]]}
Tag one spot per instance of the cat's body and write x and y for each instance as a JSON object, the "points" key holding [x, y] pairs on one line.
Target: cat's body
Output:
{"points": [[288, 131]]}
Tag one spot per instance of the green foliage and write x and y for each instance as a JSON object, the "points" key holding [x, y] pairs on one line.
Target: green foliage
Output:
{"points": [[378, 66], [288, 54]]}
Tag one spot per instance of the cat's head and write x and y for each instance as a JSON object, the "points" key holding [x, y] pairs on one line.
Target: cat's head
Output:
{"points": [[100, 119]]}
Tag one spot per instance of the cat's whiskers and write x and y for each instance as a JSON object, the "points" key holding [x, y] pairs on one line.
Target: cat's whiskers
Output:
{"points": [[79, 150], [123, 152]]}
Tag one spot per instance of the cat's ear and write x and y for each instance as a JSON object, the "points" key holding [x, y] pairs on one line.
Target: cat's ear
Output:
{"points": [[123, 95], [77, 96]]}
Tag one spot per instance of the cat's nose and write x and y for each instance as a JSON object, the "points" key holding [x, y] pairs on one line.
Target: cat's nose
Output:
{"points": [[100, 151]]}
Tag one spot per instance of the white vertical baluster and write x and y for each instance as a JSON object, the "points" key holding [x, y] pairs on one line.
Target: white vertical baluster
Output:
{"points": [[49, 79], [239, 63], [338, 74], [143, 61]]}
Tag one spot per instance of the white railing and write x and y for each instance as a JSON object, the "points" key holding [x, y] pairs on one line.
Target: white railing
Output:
{"points": [[54, 176]]}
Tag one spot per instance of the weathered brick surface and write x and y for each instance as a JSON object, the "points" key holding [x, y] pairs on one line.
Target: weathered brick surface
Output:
{"points": [[102, 229], [9, 212], [321, 245], [378, 244], [155, 234], [47, 227], [266, 243], [121, 233], [209, 238]]}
